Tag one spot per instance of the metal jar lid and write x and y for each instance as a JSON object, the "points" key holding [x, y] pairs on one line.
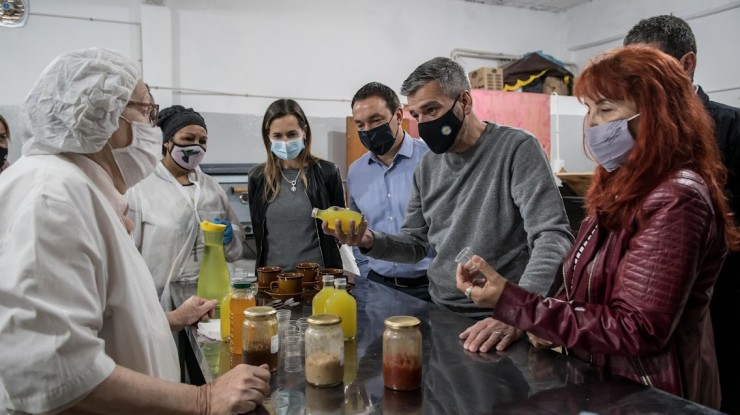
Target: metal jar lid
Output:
{"points": [[324, 320], [259, 313], [402, 322]]}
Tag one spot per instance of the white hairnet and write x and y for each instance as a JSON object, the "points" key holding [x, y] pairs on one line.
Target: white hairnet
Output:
{"points": [[75, 104]]}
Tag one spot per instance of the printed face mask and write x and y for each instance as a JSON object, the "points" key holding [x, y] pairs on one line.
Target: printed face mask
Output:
{"points": [[611, 143], [188, 157], [440, 134], [139, 159], [287, 150], [378, 140]]}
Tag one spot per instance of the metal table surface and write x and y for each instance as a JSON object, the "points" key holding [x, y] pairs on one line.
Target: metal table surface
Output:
{"points": [[519, 380]]}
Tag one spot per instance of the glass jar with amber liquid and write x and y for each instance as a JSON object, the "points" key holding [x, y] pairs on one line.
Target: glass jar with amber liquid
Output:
{"points": [[242, 298], [402, 353], [324, 350], [260, 341]]}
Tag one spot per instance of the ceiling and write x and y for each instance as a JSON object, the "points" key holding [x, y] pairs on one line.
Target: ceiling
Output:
{"points": [[555, 6]]}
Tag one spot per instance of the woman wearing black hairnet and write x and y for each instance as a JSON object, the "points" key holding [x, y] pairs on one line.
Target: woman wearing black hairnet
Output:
{"points": [[168, 206]]}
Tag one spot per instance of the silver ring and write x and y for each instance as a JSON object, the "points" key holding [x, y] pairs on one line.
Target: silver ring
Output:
{"points": [[497, 333], [468, 291]]}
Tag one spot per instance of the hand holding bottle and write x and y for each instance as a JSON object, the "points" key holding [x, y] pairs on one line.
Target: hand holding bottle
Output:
{"points": [[348, 226]]}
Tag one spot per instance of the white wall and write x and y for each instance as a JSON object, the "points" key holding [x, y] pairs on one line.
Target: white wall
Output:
{"points": [[601, 21], [328, 49], [28, 50]]}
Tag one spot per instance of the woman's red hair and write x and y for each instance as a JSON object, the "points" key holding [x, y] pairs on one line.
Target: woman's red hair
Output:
{"points": [[675, 133]]}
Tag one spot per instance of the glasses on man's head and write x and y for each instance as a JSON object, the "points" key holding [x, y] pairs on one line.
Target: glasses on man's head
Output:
{"points": [[153, 110]]}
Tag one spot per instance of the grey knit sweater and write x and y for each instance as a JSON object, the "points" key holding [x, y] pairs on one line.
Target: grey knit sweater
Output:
{"points": [[499, 198]]}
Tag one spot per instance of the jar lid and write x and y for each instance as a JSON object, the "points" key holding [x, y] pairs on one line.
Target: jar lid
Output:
{"points": [[324, 320], [259, 312], [402, 322], [241, 284]]}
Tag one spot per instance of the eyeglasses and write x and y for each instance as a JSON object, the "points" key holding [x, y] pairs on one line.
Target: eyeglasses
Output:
{"points": [[152, 108]]}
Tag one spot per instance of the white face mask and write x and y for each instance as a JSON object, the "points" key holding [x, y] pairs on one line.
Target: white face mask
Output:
{"points": [[139, 159]]}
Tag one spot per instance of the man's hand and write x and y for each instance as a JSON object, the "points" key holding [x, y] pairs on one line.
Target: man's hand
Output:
{"points": [[238, 391], [355, 236], [485, 334], [193, 310]]}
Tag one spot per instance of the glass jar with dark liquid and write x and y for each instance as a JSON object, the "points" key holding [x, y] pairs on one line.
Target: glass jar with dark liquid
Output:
{"points": [[260, 341]]}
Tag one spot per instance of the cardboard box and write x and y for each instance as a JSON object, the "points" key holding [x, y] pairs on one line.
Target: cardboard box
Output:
{"points": [[487, 78]]}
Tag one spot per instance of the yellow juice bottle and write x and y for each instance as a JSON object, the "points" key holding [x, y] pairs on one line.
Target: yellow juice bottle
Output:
{"points": [[330, 215], [319, 300], [224, 312], [343, 305], [213, 279]]}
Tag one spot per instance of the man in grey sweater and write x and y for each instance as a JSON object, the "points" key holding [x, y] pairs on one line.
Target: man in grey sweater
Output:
{"points": [[483, 185]]}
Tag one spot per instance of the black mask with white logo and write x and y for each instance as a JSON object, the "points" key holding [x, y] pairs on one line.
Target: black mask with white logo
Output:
{"points": [[440, 134]]}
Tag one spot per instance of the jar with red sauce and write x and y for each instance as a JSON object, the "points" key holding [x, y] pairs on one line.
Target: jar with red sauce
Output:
{"points": [[402, 353]]}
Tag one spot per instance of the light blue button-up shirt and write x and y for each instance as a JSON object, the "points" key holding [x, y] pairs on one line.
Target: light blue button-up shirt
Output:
{"points": [[381, 193]]}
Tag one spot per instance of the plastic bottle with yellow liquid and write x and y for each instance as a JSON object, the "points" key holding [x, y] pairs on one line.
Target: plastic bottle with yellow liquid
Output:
{"points": [[318, 303], [213, 279], [345, 306], [331, 214], [225, 311]]}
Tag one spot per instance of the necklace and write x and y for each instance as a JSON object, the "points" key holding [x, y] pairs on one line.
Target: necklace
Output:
{"points": [[292, 182]]}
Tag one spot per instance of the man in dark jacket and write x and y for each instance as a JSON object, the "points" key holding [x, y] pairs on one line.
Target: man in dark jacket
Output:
{"points": [[673, 36]]}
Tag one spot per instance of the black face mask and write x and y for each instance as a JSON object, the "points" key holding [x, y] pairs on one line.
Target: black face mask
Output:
{"points": [[440, 134], [3, 155], [378, 140]]}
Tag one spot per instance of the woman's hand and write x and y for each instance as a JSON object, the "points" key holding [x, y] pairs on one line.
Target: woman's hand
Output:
{"points": [[193, 310], [483, 284]]}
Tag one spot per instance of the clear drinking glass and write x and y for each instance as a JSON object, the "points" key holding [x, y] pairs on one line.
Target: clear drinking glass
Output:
{"points": [[293, 353], [464, 257]]}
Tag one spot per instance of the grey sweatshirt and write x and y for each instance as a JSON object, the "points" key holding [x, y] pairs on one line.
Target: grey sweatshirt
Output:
{"points": [[499, 198]]}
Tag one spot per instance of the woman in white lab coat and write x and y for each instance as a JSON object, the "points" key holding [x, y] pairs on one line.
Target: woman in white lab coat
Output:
{"points": [[81, 328], [168, 206]]}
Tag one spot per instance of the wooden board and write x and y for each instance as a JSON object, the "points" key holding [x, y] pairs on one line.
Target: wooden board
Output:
{"points": [[579, 182]]}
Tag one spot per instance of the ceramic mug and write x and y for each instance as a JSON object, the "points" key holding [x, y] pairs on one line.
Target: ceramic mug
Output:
{"points": [[266, 275], [287, 283], [309, 271]]}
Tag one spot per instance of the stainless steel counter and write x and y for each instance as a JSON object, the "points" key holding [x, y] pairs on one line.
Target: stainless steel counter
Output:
{"points": [[517, 381]]}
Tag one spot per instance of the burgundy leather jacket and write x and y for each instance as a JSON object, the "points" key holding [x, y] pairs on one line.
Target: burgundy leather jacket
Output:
{"points": [[635, 302]]}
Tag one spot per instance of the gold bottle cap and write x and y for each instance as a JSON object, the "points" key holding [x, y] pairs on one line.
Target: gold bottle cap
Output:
{"points": [[259, 312], [324, 320], [402, 322]]}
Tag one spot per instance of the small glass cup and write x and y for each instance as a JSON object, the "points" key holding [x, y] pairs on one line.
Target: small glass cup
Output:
{"points": [[293, 353], [283, 316], [464, 257], [302, 324]]}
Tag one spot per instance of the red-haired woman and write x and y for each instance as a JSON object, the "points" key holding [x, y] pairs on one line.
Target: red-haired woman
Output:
{"points": [[636, 286]]}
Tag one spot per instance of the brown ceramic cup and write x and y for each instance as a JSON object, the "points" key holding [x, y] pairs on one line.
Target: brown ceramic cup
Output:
{"points": [[287, 283], [266, 275], [309, 271]]}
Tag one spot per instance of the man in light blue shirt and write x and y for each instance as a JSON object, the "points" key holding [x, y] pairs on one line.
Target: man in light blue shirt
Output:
{"points": [[380, 183]]}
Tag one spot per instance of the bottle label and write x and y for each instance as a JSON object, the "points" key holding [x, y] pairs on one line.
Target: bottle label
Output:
{"points": [[274, 344]]}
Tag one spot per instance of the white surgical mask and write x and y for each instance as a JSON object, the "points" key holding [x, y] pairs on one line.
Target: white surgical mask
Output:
{"points": [[139, 159], [287, 150]]}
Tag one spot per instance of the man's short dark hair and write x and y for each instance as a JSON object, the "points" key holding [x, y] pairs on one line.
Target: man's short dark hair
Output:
{"points": [[671, 34], [376, 89]]}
